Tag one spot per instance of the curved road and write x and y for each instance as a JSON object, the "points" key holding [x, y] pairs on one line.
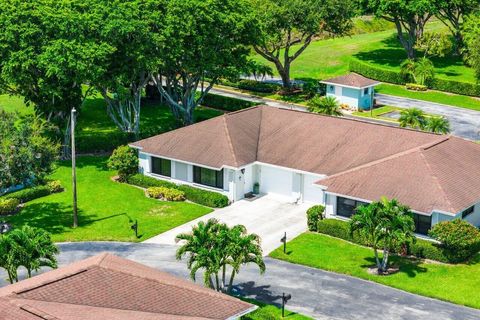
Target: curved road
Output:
{"points": [[317, 293]]}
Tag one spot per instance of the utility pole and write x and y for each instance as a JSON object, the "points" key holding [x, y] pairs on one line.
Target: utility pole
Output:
{"points": [[74, 169]]}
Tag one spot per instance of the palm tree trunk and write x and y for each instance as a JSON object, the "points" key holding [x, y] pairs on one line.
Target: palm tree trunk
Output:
{"points": [[230, 283], [224, 271], [217, 282]]}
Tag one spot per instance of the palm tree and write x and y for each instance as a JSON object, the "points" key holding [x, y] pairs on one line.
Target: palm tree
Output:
{"points": [[437, 125], [384, 223], [424, 71], [325, 105], [244, 248], [9, 257], [35, 248], [412, 117], [407, 70], [214, 247]]}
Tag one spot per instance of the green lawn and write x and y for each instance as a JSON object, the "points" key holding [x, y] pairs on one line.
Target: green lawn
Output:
{"points": [[377, 113], [454, 283], [106, 208], [433, 96], [328, 58], [270, 312]]}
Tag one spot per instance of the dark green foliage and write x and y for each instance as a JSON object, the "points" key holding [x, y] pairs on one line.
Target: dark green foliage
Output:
{"points": [[257, 86], [314, 214], [125, 160], [102, 141], [203, 197], [311, 87], [226, 103], [29, 194], [459, 239], [421, 248], [390, 76], [143, 181]]}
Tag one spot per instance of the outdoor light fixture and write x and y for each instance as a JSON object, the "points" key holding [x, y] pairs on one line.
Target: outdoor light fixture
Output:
{"points": [[4, 227], [285, 298], [284, 240], [134, 227], [242, 171]]}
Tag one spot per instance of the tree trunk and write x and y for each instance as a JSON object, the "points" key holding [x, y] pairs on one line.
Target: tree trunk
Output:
{"points": [[217, 282], [224, 271], [377, 260], [230, 283]]}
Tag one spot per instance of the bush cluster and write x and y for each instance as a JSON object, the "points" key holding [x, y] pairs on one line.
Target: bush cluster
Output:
{"points": [[200, 196], [314, 214], [226, 103], [258, 86], [54, 186], [8, 206], [99, 142], [167, 194], [421, 248], [416, 87], [391, 76], [459, 239], [125, 160], [32, 193]]}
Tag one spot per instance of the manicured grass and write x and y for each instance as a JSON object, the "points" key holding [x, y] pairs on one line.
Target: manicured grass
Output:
{"points": [[270, 312], [454, 283], [107, 209], [432, 96], [377, 113], [14, 103], [328, 58]]}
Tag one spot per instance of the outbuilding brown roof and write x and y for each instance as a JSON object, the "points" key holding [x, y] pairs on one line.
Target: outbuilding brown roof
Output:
{"points": [[353, 80], [361, 159], [109, 287]]}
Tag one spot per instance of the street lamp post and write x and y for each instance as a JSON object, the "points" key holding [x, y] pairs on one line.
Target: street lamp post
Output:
{"points": [[74, 169]]}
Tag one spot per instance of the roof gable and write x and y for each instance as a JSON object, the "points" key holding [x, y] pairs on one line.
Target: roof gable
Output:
{"points": [[353, 80]]}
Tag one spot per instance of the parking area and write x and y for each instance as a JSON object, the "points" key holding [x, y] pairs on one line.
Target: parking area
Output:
{"points": [[267, 216]]}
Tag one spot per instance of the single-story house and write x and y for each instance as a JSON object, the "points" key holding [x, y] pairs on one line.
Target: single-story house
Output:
{"points": [[353, 90], [107, 287], [305, 157]]}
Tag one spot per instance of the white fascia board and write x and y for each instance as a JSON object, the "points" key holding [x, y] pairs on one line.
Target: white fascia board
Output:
{"points": [[291, 169], [187, 162], [347, 86]]}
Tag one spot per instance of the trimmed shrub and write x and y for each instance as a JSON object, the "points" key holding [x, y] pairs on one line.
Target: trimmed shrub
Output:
{"points": [[312, 87], [258, 86], [391, 76], [101, 142], [125, 160], [335, 228], [226, 103], [54, 186], [314, 214], [167, 194], [459, 239], [8, 206], [427, 250], [200, 196], [204, 197], [416, 87], [143, 181], [29, 194]]}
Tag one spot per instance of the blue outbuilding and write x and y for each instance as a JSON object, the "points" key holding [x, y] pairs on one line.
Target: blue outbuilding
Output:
{"points": [[352, 89]]}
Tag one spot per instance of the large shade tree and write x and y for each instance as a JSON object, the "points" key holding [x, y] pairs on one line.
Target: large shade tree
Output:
{"points": [[288, 27], [453, 13], [200, 42], [409, 17], [471, 32]]}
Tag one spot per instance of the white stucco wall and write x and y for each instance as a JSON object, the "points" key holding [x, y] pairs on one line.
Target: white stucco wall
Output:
{"points": [[474, 218], [311, 192]]}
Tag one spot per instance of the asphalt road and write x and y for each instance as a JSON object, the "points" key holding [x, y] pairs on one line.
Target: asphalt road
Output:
{"points": [[317, 293]]}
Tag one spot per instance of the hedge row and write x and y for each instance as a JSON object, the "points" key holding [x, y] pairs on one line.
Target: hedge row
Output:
{"points": [[226, 103], [421, 248], [33, 193], [200, 196], [391, 76], [252, 85]]}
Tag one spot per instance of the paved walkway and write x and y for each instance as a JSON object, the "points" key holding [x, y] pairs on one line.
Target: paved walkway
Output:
{"points": [[266, 216], [463, 122], [317, 293]]}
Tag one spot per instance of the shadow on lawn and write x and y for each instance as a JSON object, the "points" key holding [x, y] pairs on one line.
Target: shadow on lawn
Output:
{"points": [[409, 266], [54, 217], [98, 162]]}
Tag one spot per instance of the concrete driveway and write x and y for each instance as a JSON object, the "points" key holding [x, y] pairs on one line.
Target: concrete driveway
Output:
{"points": [[463, 122], [266, 216]]}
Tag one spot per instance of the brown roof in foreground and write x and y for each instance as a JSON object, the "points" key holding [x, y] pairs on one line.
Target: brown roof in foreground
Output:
{"points": [[362, 159], [109, 287], [352, 80]]}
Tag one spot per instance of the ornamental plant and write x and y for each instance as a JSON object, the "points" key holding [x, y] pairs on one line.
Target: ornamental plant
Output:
{"points": [[459, 239], [167, 194], [125, 160], [314, 214]]}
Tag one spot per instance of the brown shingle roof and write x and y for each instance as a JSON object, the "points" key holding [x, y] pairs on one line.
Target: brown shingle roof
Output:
{"points": [[109, 287], [352, 80], [442, 176]]}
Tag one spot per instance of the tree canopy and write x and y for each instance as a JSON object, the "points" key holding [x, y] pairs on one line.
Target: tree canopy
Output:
{"points": [[471, 32], [287, 27]]}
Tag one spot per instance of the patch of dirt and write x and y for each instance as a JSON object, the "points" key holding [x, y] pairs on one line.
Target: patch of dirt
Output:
{"points": [[161, 211], [374, 271]]}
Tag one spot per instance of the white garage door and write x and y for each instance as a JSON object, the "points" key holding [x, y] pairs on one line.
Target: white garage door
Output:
{"points": [[312, 193], [276, 181]]}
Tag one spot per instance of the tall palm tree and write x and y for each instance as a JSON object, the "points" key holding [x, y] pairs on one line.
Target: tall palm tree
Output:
{"points": [[9, 257], [412, 117], [328, 105], [437, 125], [35, 248]]}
